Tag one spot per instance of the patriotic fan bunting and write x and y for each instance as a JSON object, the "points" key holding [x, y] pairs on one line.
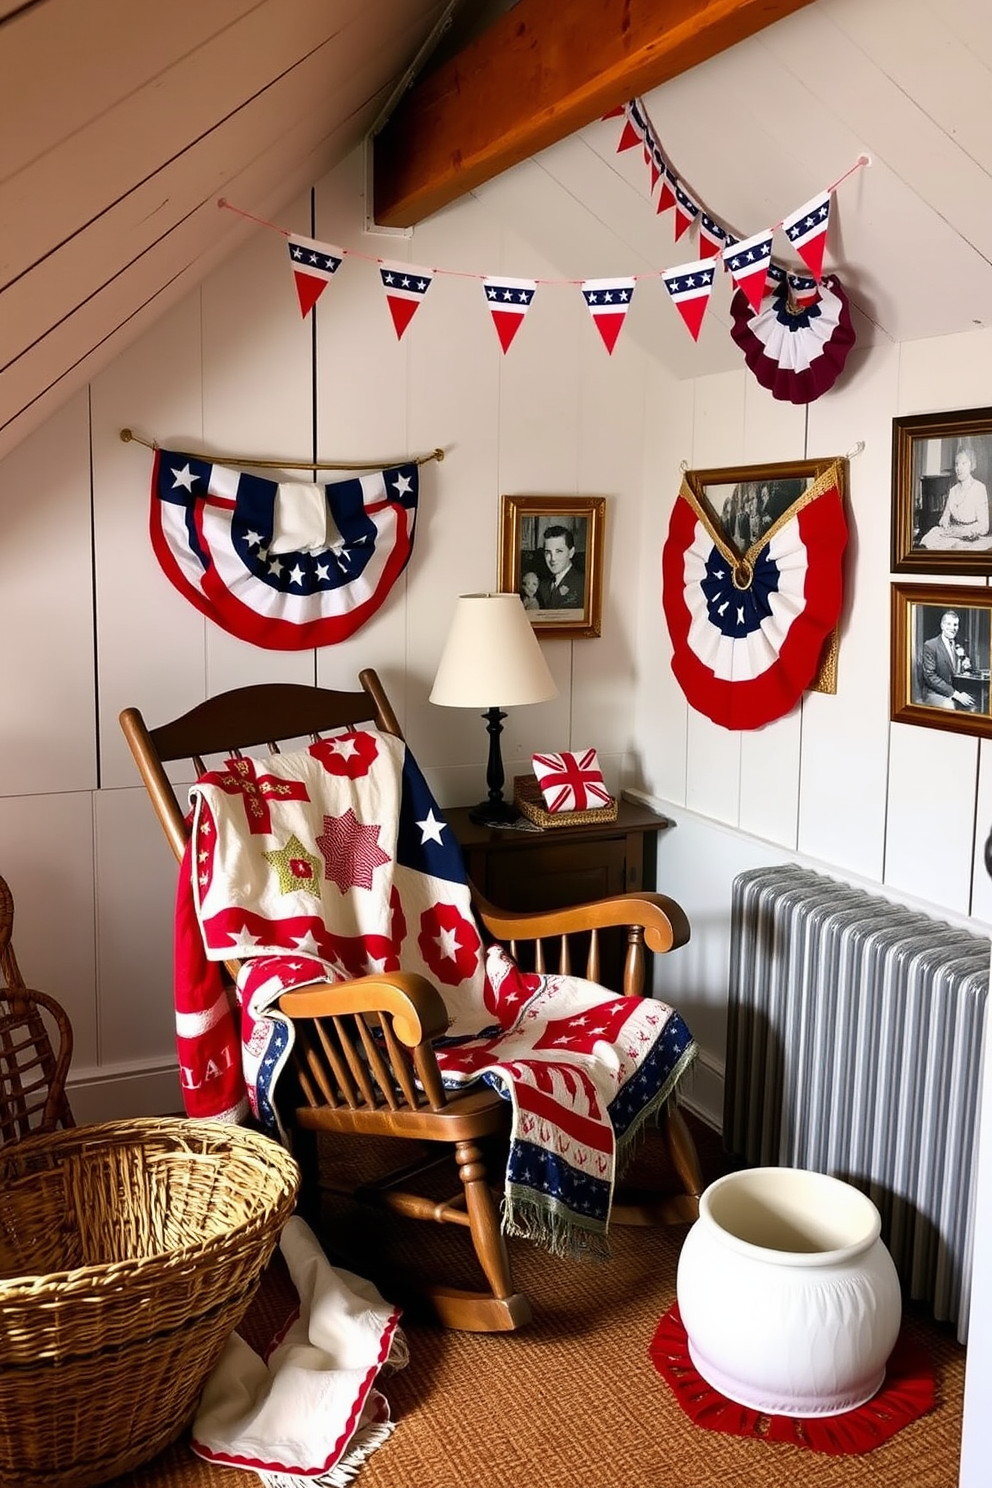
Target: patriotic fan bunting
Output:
{"points": [[608, 301], [405, 287], [806, 231], [508, 300], [690, 286], [748, 629], [314, 265], [287, 566], [748, 262], [795, 348], [571, 781]]}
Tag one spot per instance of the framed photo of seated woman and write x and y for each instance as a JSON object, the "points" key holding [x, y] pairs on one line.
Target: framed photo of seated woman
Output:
{"points": [[942, 493]]}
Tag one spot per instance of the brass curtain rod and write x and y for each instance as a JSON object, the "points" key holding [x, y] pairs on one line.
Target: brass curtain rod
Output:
{"points": [[127, 435]]}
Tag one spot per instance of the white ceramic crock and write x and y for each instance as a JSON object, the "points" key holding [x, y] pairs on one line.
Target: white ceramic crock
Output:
{"points": [[790, 1300]]}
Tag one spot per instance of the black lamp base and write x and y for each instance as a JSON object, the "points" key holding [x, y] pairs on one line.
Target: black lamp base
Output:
{"points": [[494, 814]]}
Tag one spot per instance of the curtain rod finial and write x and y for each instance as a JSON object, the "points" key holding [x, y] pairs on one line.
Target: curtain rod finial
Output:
{"points": [[126, 436]]}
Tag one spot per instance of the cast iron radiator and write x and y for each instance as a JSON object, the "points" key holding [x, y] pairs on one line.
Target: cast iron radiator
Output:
{"points": [[854, 1047]]}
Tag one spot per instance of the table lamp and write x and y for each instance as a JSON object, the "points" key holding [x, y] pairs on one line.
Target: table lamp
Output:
{"points": [[492, 660]]}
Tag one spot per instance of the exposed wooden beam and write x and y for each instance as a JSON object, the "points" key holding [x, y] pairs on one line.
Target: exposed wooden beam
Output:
{"points": [[543, 70]]}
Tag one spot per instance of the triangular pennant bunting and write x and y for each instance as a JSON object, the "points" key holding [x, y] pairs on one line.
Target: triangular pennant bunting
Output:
{"points": [[712, 237], [314, 264], [666, 196], [690, 285], [608, 301], [806, 230], [405, 286], [508, 300], [686, 211], [629, 138], [748, 262]]}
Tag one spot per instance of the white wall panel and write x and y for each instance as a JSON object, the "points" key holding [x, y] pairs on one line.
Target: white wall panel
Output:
{"points": [[948, 372], [136, 1015], [981, 882], [46, 856], [363, 382], [931, 816], [150, 640], [48, 717], [257, 387], [845, 735], [658, 759]]}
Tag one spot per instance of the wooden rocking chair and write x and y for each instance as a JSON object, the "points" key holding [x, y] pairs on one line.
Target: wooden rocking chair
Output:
{"points": [[33, 1071], [347, 1080]]}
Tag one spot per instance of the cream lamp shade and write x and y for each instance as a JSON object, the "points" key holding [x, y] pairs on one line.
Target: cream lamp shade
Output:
{"points": [[492, 660]]}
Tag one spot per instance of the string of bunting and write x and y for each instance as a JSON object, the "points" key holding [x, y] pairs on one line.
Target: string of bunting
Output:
{"points": [[315, 264]]}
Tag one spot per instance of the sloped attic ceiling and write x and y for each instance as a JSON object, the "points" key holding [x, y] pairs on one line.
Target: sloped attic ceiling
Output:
{"points": [[754, 133], [123, 123]]}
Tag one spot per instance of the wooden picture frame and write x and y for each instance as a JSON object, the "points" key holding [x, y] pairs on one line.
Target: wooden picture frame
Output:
{"points": [[551, 554], [747, 501], [926, 687], [941, 518]]}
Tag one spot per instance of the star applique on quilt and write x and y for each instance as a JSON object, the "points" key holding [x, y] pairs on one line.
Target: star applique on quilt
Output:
{"points": [[351, 851], [295, 868]]}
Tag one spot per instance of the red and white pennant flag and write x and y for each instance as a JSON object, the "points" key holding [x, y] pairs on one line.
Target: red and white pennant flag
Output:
{"points": [[571, 781], [690, 286], [608, 301], [508, 300], [748, 262], [806, 230], [686, 211], [314, 265], [405, 286]]}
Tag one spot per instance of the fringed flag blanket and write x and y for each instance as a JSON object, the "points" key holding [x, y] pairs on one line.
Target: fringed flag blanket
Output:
{"points": [[335, 862]]}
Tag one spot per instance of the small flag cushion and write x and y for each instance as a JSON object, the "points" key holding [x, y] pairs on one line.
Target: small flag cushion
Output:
{"points": [[571, 781]]}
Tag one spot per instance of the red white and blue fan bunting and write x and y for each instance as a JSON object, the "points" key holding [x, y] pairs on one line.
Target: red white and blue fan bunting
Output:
{"points": [[405, 287], [508, 301], [797, 344], [314, 265], [748, 630], [608, 301], [287, 566]]}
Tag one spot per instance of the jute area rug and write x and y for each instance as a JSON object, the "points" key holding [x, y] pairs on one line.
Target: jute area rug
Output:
{"points": [[574, 1398]]}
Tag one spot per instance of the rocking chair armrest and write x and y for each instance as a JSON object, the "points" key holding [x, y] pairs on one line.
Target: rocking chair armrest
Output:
{"points": [[413, 1004], [663, 920]]}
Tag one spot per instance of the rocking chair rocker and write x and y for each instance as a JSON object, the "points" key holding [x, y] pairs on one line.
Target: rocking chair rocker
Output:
{"points": [[363, 1061]]}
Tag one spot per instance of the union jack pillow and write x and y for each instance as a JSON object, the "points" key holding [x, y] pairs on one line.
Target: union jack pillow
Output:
{"points": [[571, 782]]}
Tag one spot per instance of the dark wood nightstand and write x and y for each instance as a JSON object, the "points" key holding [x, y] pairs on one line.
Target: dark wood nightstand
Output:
{"points": [[560, 865]]}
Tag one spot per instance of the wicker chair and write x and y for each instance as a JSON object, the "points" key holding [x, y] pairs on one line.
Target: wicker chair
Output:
{"points": [[32, 1071], [349, 1082]]}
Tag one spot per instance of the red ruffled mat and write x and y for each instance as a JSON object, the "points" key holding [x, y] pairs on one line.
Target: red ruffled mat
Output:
{"points": [[907, 1394]]}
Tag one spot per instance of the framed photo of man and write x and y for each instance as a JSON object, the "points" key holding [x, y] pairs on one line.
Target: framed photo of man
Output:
{"points": [[941, 484], [942, 657], [551, 554]]}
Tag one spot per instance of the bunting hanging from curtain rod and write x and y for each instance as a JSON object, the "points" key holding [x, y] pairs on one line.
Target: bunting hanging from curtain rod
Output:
{"points": [[286, 565]]}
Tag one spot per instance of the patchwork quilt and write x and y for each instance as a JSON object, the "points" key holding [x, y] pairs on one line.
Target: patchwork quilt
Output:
{"points": [[334, 862]]}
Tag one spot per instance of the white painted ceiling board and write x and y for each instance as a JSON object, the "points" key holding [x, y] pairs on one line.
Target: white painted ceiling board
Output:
{"points": [[120, 122]]}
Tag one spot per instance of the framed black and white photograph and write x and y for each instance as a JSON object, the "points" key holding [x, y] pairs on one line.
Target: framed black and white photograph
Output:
{"points": [[748, 501], [551, 554], [942, 657], [941, 479]]}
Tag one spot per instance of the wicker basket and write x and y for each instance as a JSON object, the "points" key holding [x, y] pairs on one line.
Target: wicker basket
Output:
{"points": [[129, 1252], [529, 801]]}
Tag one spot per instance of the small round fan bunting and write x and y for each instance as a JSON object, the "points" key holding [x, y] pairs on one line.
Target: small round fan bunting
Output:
{"points": [[908, 1393], [796, 351]]}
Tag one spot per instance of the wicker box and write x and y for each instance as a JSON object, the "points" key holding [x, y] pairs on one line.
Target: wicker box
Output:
{"points": [[529, 801], [129, 1253]]}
